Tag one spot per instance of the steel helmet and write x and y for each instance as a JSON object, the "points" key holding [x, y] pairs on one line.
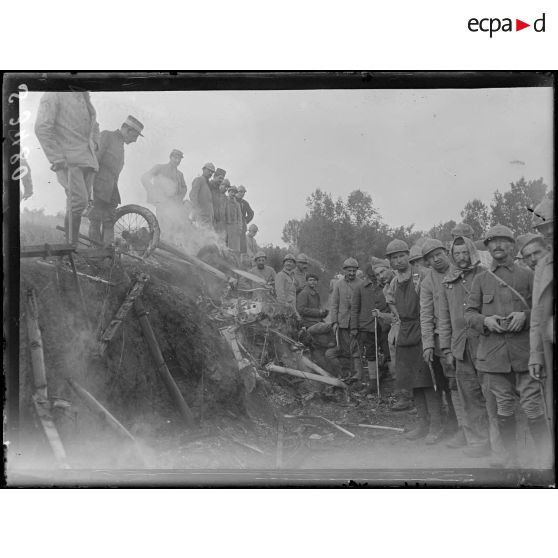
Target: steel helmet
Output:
{"points": [[260, 254], [302, 258], [396, 246], [289, 257], [543, 213], [499, 231], [430, 245], [350, 262], [463, 229], [415, 253], [253, 227], [209, 166]]}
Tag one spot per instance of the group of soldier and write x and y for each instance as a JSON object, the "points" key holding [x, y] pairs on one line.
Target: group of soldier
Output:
{"points": [[88, 164], [466, 333]]}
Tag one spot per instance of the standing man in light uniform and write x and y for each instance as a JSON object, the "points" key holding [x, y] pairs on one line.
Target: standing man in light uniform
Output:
{"points": [[68, 132]]}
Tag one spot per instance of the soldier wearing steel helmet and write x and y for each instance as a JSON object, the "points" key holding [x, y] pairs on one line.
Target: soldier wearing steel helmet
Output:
{"points": [[251, 244], [262, 270], [542, 315], [340, 316], [200, 196], [285, 285], [435, 256], [499, 308]]}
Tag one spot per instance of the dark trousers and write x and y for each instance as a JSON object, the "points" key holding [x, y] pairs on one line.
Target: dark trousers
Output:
{"points": [[475, 416]]}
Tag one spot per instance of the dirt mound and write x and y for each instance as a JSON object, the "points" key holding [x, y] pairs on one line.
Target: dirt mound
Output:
{"points": [[177, 299]]}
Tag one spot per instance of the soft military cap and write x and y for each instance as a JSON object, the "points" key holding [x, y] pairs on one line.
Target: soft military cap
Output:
{"points": [[134, 123], [525, 239], [177, 152]]}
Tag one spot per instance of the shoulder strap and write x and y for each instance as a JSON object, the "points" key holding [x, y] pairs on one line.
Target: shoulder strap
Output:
{"points": [[503, 283]]}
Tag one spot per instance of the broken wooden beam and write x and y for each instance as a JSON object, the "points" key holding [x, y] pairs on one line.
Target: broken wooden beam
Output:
{"points": [[90, 277], [35, 344], [230, 335], [161, 366], [306, 375], [102, 412], [45, 250], [379, 427], [42, 406], [311, 364], [133, 293], [191, 259], [330, 422]]}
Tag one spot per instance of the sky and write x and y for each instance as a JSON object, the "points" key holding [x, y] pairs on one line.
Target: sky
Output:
{"points": [[420, 154]]}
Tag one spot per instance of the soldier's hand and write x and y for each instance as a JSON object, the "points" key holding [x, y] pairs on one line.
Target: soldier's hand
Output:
{"points": [[335, 327], [536, 372], [450, 361], [325, 312], [375, 313], [58, 166], [517, 321], [492, 324], [428, 355], [354, 332]]}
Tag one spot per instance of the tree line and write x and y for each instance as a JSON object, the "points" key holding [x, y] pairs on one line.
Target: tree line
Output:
{"points": [[334, 229]]}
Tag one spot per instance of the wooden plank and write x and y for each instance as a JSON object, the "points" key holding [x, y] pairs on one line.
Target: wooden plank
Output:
{"points": [[114, 325], [161, 366], [35, 344], [315, 367], [45, 250], [42, 407], [306, 375], [103, 413], [185, 256]]}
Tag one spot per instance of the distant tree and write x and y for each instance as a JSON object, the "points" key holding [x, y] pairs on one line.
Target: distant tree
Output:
{"points": [[407, 233], [511, 208], [442, 231], [291, 232], [360, 209], [477, 215]]}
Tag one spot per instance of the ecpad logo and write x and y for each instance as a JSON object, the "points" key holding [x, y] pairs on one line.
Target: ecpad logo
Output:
{"points": [[494, 24]]}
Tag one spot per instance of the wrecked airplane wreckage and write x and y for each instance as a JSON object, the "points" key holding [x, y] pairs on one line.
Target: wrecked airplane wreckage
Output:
{"points": [[258, 329]]}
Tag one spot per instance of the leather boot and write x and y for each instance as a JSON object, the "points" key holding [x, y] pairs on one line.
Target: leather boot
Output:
{"points": [[420, 430], [94, 230], [434, 405], [458, 440], [507, 427], [76, 224], [404, 401], [541, 437]]}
